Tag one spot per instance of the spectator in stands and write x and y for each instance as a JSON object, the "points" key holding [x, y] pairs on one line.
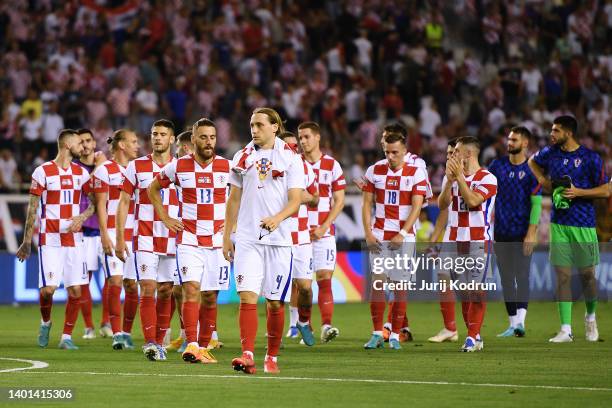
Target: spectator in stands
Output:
{"points": [[9, 177]]}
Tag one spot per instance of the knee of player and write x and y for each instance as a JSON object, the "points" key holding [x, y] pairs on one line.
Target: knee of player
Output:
{"points": [[47, 292], [305, 291], [275, 304], [130, 286], [209, 298], [74, 291]]}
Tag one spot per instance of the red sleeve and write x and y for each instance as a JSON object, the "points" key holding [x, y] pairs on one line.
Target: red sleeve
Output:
{"points": [[127, 186], [163, 180], [99, 186]]}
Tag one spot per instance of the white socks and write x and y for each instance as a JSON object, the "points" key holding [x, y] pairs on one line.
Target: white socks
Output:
{"points": [[293, 318]]}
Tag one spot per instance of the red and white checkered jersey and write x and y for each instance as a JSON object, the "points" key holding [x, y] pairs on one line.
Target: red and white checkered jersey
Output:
{"points": [[472, 224], [330, 178], [151, 235], [414, 160], [203, 193], [393, 192], [108, 178], [302, 235], [60, 197]]}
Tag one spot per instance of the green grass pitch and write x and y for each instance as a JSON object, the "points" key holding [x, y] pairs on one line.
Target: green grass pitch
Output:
{"points": [[509, 372]]}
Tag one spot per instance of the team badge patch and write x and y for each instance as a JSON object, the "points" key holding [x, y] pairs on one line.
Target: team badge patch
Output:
{"points": [[521, 174], [577, 162], [184, 270], [239, 278], [143, 268], [263, 166]]}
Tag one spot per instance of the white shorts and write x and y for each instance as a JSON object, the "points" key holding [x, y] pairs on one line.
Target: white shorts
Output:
{"points": [[150, 266], [129, 268], [264, 269], [381, 266], [113, 266], [93, 253], [302, 261], [324, 254], [61, 264], [472, 262], [204, 265]]}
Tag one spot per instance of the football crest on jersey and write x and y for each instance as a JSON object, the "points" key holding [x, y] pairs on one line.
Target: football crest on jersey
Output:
{"points": [[263, 166], [184, 270], [577, 162], [239, 278], [521, 174], [143, 268]]}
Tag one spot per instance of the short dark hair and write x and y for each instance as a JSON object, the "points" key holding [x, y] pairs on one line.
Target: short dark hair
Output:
{"points": [[202, 122], [63, 134], [452, 143], [523, 131], [184, 137], [286, 134], [395, 127], [164, 123], [314, 126], [82, 131], [392, 137], [468, 140], [568, 123]]}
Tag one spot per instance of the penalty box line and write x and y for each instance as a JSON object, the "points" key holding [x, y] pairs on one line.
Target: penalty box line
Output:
{"points": [[341, 380]]}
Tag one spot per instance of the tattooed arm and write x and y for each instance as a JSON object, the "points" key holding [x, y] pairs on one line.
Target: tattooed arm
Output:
{"points": [[77, 221], [26, 247]]}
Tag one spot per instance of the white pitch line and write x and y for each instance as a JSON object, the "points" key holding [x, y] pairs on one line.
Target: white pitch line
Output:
{"points": [[355, 380], [35, 364]]}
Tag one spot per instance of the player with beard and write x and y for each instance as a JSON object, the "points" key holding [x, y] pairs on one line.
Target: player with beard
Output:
{"points": [[517, 214], [576, 176], [154, 244], [107, 181], [184, 146], [57, 186], [89, 159], [201, 178]]}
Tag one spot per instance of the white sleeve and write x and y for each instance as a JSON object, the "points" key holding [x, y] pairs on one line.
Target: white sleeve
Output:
{"points": [[167, 174], [295, 173]]}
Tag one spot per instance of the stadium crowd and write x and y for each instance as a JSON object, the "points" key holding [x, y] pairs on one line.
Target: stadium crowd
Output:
{"points": [[350, 65]]}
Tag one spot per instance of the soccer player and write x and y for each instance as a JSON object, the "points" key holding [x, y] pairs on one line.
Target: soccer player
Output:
{"points": [[266, 190], [107, 182], [154, 244], [517, 214], [412, 160], [470, 192], [397, 191], [301, 288], [89, 159], [183, 148], [202, 178], [321, 219], [576, 177], [57, 186], [447, 297]]}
